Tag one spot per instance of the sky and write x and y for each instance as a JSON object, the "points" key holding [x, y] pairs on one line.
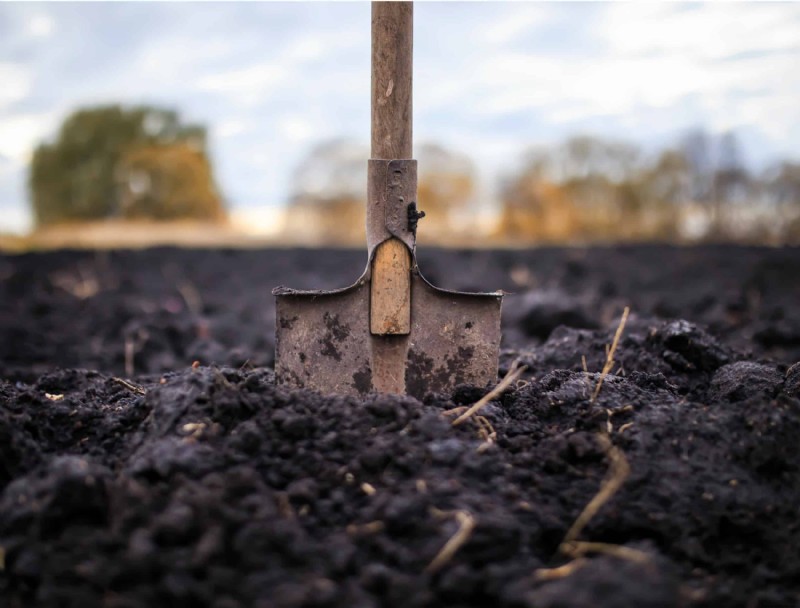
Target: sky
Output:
{"points": [[271, 80]]}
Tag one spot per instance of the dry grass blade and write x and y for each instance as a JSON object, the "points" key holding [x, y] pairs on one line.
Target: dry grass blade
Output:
{"points": [[579, 548], [84, 286], [618, 472], [131, 387], [485, 429], [130, 351], [513, 373], [554, 574], [486, 432], [466, 524], [372, 527], [455, 411], [609, 364], [191, 296]]}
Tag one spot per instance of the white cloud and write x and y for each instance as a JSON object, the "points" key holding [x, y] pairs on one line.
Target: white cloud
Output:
{"points": [[41, 25], [16, 82], [656, 56], [706, 31], [20, 133], [298, 129], [523, 19], [249, 85], [306, 48], [16, 219], [229, 128]]}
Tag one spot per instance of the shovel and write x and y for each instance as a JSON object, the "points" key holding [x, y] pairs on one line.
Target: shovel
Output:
{"points": [[391, 331]]}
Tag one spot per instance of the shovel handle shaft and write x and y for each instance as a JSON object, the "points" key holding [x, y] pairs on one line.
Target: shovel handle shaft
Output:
{"points": [[392, 63], [392, 47]]}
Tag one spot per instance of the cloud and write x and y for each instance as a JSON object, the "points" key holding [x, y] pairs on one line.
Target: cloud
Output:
{"points": [[229, 128], [522, 21], [700, 31], [41, 25], [298, 129], [20, 133], [16, 219], [16, 81], [246, 83], [717, 63]]}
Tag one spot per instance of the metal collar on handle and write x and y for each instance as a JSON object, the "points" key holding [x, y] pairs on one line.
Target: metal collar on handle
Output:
{"points": [[391, 202]]}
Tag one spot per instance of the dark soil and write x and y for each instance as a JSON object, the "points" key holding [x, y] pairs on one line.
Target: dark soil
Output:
{"points": [[217, 488]]}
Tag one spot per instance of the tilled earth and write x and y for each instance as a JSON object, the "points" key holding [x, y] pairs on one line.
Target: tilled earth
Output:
{"points": [[147, 457]]}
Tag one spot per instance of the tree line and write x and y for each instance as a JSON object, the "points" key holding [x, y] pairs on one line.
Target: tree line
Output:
{"points": [[146, 162], [589, 188], [584, 189]]}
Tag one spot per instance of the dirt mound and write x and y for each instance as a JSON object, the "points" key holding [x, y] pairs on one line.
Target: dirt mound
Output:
{"points": [[211, 486]]}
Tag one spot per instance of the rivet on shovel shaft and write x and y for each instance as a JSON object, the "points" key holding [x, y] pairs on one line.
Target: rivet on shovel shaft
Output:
{"points": [[391, 331]]}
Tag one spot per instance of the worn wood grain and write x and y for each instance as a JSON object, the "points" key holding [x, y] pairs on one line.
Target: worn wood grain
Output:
{"points": [[390, 289], [392, 63]]}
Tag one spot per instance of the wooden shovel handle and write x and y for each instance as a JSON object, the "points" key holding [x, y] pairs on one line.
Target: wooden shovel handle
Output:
{"points": [[392, 62]]}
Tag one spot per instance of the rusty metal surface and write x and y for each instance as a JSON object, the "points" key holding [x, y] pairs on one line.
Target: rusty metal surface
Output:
{"points": [[391, 189], [323, 341]]}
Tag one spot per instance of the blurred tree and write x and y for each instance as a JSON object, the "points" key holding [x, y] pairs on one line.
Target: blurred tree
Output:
{"points": [[168, 181], [696, 148], [587, 157], [446, 187], [534, 208], [731, 185], [327, 203], [782, 191], [783, 183], [86, 173], [588, 188], [664, 187], [719, 180], [668, 178], [599, 176]]}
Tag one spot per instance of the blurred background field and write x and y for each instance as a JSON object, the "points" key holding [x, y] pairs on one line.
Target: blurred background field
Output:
{"points": [[130, 125]]}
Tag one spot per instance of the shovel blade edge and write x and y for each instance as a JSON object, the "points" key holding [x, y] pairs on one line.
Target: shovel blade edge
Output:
{"points": [[323, 341]]}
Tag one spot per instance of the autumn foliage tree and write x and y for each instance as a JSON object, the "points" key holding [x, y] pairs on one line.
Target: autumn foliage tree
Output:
{"points": [[117, 162], [536, 208], [327, 204], [446, 186], [584, 189], [589, 188], [168, 181]]}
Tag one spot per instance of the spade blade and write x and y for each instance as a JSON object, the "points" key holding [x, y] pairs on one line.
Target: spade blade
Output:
{"points": [[323, 341]]}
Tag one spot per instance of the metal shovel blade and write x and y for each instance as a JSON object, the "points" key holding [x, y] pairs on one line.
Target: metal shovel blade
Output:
{"points": [[323, 341], [392, 331]]}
